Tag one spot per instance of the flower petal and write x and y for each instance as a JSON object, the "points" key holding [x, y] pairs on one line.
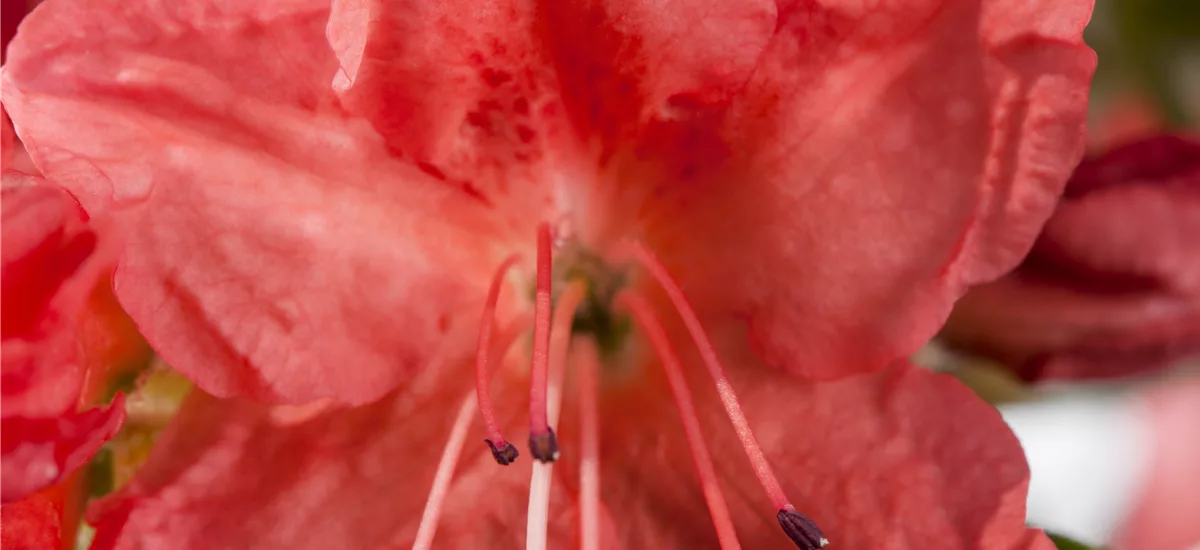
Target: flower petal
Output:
{"points": [[1155, 157], [12, 151], [48, 269], [1044, 329], [883, 157], [1135, 233], [31, 524], [524, 101], [304, 482], [1131, 213], [321, 476], [281, 252], [7, 138], [39, 452], [898, 459], [1164, 516], [52, 261]]}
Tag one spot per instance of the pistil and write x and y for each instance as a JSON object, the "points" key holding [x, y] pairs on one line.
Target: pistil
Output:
{"points": [[542, 442], [559, 345]]}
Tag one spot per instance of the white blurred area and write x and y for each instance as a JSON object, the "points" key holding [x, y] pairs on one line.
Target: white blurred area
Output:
{"points": [[1091, 446], [1089, 454]]}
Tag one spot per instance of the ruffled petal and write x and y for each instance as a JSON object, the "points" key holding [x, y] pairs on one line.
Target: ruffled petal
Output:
{"points": [[39, 452], [48, 271], [52, 261], [281, 252], [880, 159], [898, 459]]}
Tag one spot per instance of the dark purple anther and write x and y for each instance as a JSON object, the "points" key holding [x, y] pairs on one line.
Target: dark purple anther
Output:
{"points": [[544, 447], [802, 530], [504, 454]]}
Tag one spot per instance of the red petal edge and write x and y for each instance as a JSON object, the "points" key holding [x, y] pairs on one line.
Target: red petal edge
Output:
{"points": [[39, 452], [281, 251]]}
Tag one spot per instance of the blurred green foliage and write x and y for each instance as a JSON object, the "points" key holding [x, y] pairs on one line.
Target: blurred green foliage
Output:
{"points": [[1177, 20], [1148, 46], [1064, 543]]}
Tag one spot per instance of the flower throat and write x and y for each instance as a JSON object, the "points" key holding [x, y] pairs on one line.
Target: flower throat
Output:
{"points": [[596, 302]]}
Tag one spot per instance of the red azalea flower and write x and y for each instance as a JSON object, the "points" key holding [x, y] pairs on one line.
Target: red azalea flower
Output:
{"points": [[832, 176], [50, 268], [64, 339], [1113, 284]]}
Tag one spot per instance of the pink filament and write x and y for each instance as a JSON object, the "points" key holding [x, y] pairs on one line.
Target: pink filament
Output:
{"points": [[589, 445], [538, 423], [453, 449], [483, 391], [766, 477], [644, 315], [564, 317], [444, 474], [560, 340]]}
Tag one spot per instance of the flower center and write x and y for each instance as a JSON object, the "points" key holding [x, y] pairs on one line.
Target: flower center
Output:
{"points": [[593, 301], [596, 318]]}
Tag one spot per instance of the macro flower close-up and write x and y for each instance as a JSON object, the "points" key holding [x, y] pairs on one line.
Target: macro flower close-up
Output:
{"points": [[502, 274]]}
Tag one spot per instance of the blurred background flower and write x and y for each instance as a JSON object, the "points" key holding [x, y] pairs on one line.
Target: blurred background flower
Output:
{"points": [[1091, 347], [1112, 285]]}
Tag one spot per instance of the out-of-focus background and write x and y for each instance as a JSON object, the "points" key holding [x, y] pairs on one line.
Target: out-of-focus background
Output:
{"points": [[1091, 348], [1149, 54]]}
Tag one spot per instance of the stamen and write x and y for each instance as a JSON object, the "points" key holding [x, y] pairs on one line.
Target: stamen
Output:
{"points": [[762, 468], [644, 315], [454, 445], [503, 451], [444, 474], [542, 442], [802, 530], [538, 516], [588, 366]]}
